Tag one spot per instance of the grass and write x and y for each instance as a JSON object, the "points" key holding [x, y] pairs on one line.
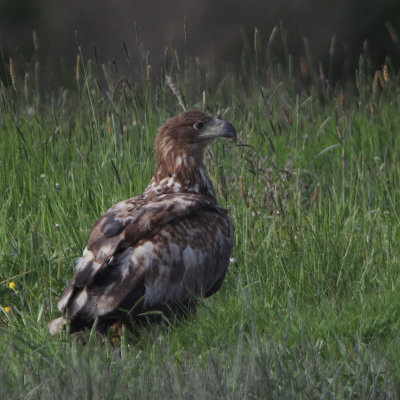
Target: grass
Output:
{"points": [[310, 306]]}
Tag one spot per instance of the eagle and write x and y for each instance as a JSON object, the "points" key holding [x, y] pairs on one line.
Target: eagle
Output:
{"points": [[161, 251]]}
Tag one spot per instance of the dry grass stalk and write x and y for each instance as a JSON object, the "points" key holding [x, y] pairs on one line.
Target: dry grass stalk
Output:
{"points": [[16, 276], [175, 91], [148, 71]]}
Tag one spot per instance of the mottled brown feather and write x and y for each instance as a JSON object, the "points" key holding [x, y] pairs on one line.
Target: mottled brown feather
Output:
{"points": [[157, 250]]}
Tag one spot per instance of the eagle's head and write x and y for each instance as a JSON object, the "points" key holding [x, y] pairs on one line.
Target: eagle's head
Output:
{"points": [[181, 140]]}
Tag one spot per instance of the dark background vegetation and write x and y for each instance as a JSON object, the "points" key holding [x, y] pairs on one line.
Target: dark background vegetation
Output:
{"points": [[216, 30]]}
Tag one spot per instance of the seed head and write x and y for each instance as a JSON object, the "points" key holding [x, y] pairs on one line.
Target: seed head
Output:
{"points": [[342, 98], [221, 191], [376, 81], [78, 67], [241, 188], [303, 66], [392, 32], [26, 85], [109, 125], [13, 71], [315, 195], [321, 73], [385, 73]]}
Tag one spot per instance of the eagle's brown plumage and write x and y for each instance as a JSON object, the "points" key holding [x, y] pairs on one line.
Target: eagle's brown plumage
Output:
{"points": [[159, 250]]}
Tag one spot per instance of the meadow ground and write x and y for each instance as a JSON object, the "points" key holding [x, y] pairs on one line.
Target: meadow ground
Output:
{"points": [[310, 306]]}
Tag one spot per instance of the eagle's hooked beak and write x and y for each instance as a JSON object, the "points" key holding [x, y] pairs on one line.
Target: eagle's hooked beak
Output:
{"points": [[218, 128]]}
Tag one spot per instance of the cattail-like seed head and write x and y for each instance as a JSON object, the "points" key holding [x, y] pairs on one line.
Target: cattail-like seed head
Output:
{"points": [[376, 81], [382, 81], [358, 81], [342, 98], [372, 108], [109, 125], [303, 66], [321, 73], [392, 32], [78, 67], [26, 85], [221, 191], [35, 41], [385, 73], [315, 195], [287, 116], [13, 71], [185, 28], [339, 132], [241, 188], [279, 127], [148, 71], [332, 48]]}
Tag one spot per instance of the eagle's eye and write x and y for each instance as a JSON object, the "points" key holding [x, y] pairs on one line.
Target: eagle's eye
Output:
{"points": [[198, 125]]}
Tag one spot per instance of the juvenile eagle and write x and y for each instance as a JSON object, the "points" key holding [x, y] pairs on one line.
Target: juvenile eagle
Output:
{"points": [[163, 249]]}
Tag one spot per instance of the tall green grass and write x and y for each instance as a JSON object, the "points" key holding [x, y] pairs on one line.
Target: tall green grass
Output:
{"points": [[310, 306]]}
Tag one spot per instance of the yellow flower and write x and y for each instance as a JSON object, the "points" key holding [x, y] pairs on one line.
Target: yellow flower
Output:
{"points": [[12, 285], [7, 309]]}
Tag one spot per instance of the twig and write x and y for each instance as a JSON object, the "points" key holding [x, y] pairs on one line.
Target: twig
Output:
{"points": [[245, 145], [16, 276]]}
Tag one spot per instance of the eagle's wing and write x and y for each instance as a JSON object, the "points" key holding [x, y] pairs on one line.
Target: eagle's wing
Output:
{"points": [[163, 249]]}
